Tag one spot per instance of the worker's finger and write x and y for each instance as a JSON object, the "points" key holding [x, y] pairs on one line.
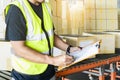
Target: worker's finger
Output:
{"points": [[68, 63], [70, 59]]}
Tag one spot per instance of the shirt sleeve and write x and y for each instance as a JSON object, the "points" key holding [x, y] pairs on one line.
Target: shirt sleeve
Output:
{"points": [[15, 25]]}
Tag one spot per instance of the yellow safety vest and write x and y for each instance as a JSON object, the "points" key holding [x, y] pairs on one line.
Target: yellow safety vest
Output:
{"points": [[35, 39]]}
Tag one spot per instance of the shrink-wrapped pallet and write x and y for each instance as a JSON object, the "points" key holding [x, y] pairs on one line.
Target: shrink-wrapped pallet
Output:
{"points": [[5, 51]]}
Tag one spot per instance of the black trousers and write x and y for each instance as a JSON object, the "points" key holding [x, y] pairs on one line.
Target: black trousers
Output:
{"points": [[47, 75]]}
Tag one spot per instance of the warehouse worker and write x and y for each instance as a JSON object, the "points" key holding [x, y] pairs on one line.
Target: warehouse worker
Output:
{"points": [[30, 31]]}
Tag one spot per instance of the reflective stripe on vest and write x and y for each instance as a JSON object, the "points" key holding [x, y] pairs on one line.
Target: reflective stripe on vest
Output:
{"points": [[39, 36], [35, 38]]}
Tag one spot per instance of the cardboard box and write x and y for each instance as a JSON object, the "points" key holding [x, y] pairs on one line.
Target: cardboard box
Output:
{"points": [[90, 14], [100, 13], [70, 16], [79, 40], [112, 24], [61, 8], [92, 30], [75, 16], [89, 3], [62, 26], [107, 44], [101, 25], [55, 23], [117, 37], [90, 25], [100, 30], [53, 7], [81, 30], [101, 4], [111, 3], [112, 13]]}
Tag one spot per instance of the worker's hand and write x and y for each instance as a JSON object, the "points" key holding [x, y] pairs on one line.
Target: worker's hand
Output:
{"points": [[62, 60], [73, 49]]}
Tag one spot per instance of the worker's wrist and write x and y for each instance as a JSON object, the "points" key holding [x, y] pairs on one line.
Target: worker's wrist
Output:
{"points": [[49, 59], [68, 49]]}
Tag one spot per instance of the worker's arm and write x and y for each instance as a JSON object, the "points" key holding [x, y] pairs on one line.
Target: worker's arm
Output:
{"points": [[59, 43], [23, 51]]}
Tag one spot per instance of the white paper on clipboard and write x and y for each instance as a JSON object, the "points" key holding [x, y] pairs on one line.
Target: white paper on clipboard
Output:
{"points": [[86, 52]]}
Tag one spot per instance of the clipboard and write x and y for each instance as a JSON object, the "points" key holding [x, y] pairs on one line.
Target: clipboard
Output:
{"points": [[86, 52]]}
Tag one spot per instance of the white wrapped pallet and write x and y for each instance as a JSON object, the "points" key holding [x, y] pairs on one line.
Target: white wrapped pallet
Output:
{"points": [[5, 51], [5, 47]]}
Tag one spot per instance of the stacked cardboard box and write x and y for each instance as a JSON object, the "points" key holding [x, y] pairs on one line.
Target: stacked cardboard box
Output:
{"points": [[102, 15], [68, 16], [107, 44], [94, 16]]}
